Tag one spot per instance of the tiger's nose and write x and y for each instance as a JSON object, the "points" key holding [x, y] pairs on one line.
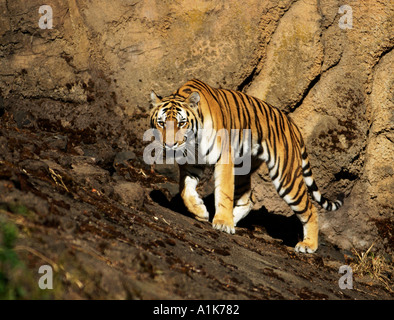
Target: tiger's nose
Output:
{"points": [[171, 145]]}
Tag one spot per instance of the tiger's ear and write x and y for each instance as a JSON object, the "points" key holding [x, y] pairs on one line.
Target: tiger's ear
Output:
{"points": [[193, 99], [154, 99]]}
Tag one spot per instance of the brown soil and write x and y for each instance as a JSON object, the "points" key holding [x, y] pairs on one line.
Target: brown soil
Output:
{"points": [[112, 229]]}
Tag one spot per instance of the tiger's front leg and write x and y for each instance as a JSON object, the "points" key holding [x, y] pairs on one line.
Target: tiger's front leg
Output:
{"points": [[189, 178], [224, 198]]}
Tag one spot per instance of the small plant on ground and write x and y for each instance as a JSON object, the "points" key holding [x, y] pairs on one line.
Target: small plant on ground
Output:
{"points": [[374, 265]]}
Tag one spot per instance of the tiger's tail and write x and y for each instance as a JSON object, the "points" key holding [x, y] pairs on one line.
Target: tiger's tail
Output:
{"points": [[313, 189]]}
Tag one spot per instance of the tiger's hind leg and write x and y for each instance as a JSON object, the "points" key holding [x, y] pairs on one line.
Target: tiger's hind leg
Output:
{"points": [[242, 197], [307, 214], [291, 187], [309, 220]]}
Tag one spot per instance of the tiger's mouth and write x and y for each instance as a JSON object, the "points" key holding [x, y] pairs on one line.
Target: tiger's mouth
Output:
{"points": [[176, 146]]}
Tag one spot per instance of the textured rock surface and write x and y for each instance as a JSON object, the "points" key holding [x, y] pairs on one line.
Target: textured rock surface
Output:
{"points": [[91, 74]]}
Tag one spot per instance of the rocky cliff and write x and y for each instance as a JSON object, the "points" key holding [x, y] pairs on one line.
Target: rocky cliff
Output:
{"points": [[89, 76]]}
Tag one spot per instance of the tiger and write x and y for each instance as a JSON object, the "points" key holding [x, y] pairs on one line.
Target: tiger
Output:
{"points": [[275, 140]]}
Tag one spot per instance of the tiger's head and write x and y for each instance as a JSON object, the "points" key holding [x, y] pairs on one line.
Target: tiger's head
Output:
{"points": [[175, 117]]}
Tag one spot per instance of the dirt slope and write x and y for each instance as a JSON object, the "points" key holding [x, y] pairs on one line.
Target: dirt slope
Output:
{"points": [[117, 232], [325, 63]]}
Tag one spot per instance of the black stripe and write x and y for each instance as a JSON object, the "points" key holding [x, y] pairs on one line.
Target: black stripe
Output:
{"points": [[282, 180], [301, 186], [244, 111], [298, 199], [306, 167], [253, 102], [276, 174], [302, 211], [211, 147], [207, 88], [225, 110], [313, 187], [239, 112], [307, 220], [244, 108], [289, 188], [307, 174], [263, 112], [273, 156]]}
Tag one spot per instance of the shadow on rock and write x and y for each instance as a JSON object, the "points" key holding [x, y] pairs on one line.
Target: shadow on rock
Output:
{"points": [[287, 229]]}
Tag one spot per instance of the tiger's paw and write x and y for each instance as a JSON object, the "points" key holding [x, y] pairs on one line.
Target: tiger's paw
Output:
{"points": [[201, 213], [222, 225], [203, 218], [306, 247]]}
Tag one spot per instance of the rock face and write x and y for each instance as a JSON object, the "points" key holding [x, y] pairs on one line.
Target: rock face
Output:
{"points": [[91, 75]]}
